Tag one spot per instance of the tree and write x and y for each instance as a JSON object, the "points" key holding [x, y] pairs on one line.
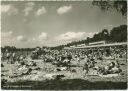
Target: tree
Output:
{"points": [[119, 5], [119, 34], [105, 34]]}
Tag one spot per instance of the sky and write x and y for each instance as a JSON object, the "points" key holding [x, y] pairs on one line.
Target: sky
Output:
{"points": [[41, 23]]}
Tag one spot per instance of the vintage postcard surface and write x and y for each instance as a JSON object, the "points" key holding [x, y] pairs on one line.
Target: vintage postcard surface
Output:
{"points": [[64, 45]]}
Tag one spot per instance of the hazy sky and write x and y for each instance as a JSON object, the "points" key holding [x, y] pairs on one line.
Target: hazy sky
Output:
{"points": [[30, 24]]}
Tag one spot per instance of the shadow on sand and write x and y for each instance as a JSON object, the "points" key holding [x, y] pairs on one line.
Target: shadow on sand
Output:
{"points": [[69, 84]]}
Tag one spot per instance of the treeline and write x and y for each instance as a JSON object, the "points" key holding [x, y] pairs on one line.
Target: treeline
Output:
{"points": [[117, 34], [14, 49]]}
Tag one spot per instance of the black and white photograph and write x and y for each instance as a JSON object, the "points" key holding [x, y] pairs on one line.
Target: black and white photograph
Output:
{"points": [[64, 45]]}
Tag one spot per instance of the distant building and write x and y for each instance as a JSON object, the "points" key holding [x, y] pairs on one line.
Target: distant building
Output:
{"points": [[97, 43], [67, 48], [92, 47], [81, 45], [72, 46]]}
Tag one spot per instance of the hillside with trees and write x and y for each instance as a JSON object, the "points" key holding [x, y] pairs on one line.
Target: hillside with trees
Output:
{"points": [[117, 34]]}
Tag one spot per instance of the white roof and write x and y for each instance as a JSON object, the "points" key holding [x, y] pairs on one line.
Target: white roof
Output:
{"points": [[113, 44]]}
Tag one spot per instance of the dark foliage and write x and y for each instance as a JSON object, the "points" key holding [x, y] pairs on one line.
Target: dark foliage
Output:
{"points": [[119, 34], [119, 5]]}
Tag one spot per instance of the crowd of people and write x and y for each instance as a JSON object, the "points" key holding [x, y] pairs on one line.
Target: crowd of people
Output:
{"points": [[85, 58], [88, 58]]}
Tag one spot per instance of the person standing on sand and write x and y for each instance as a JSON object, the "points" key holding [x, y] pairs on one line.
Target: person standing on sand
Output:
{"points": [[86, 68]]}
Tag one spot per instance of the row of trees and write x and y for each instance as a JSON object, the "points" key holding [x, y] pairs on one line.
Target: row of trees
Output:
{"points": [[117, 34], [14, 49]]}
